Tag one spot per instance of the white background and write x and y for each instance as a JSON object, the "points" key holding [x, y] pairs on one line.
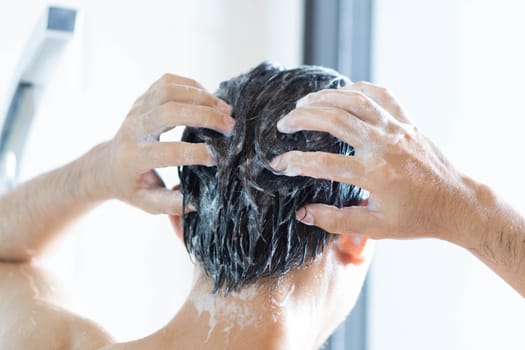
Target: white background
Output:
{"points": [[457, 66]]}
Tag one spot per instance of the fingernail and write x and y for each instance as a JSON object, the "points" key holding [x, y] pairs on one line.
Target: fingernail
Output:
{"points": [[229, 122], [212, 161], [275, 163], [190, 208], [224, 107], [302, 101], [283, 166], [283, 125], [304, 216]]}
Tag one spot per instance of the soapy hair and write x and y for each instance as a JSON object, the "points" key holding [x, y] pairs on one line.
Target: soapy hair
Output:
{"points": [[244, 228]]}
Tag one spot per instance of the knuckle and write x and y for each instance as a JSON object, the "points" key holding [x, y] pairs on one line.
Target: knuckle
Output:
{"points": [[360, 97], [360, 100], [163, 92], [166, 78], [326, 95], [336, 120], [383, 91], [361, 84], [192, 82], [300, 111], [324, 92], [169, 108], [200, 113], [209, 114], [203, 97], [374, 134], [317, 96], [387, 96], [396, 108], [339, 224], [408, 135], [393, 128], [214, 99]]}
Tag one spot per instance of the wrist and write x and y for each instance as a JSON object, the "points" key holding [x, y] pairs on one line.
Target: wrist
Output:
{"points": [[474, 215], [91, 172]]}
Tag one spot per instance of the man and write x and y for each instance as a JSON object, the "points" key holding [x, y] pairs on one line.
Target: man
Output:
{"points": [[263, 280], [414, 192]]}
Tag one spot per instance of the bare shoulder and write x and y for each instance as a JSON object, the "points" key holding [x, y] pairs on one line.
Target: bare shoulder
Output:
{"points": [[29, 319]]}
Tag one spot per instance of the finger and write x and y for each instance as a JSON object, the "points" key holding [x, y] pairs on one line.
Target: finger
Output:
{"points": [[341, 124], [160, 201], [169, 78], [354, 102], [381, 96], [184, 94], [189, 207], [322, 165], [348, 220], [166, 154], [172, 114]]}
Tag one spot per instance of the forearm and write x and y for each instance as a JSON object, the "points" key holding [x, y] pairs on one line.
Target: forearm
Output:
{"points": [[35, 212], [495, 233], [122, 168]]}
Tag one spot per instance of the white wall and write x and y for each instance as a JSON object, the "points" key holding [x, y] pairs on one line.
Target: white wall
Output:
{"points": [[458, 68], [126, 269]]}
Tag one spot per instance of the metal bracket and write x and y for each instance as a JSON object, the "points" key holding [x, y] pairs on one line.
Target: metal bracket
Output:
{"points": [[36, 66]]}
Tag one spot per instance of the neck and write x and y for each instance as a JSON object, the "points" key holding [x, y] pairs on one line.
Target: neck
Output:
{"points": [[256, 317]]}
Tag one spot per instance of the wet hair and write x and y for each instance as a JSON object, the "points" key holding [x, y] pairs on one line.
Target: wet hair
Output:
{"points": [[244, 228]]}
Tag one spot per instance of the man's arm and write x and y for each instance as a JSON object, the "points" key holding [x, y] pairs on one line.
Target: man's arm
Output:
{"points": [[495, 233], [122, 168], [35, 212], [414, 191]]}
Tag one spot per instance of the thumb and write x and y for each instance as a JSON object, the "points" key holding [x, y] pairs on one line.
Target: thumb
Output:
{"points": [[356, 220], [160, 201]]}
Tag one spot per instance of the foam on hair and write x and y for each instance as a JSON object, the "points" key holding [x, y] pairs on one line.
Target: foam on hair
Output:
{"points": [[244, 229]]}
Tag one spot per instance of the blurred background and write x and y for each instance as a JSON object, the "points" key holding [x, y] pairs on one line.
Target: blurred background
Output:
{"points": [[70, 71]]}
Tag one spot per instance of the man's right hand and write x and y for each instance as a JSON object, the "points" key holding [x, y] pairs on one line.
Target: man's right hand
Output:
{"points": [[414, 190], [125, 166]]}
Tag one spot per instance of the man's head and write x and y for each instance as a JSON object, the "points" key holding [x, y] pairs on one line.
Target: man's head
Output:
{"points": [[244, 227]]}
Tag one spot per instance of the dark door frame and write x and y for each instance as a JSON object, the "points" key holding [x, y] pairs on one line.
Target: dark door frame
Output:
{"points": [[337, 34]]}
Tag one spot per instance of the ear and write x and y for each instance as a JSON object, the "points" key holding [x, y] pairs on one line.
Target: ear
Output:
{"points": [[349, 248]]}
